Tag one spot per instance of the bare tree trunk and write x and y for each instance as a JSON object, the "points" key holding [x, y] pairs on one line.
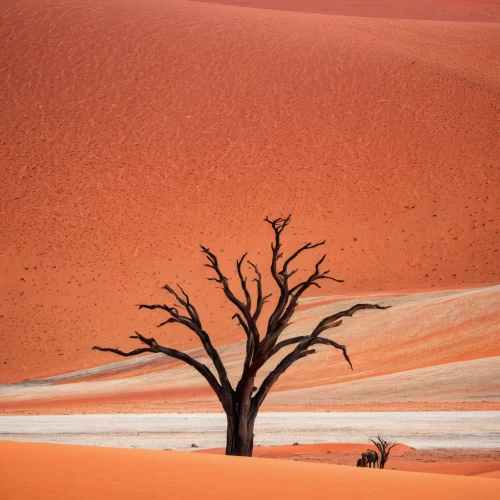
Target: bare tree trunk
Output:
{"points": [[240, 432], [241, 420], [239, 436]]}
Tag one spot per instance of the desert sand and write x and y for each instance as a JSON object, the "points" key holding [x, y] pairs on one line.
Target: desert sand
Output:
{"points": [[131, 133], [44, 471], [480, 463], [439, 10]]}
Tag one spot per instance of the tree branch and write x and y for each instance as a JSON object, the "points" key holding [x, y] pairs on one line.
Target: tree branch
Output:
{"points": [[193, 313], [271, 379], [278, 226], [300, 288], [330, 321], [250, 343], [318, 340], [289, 298], [154, 347], [261, 300], [192, 321], [242, 323], [303, 346], [135, 352], [214, 264], [332, 343], [307, 246], [246, 318], [294, 340], [243, 282]]}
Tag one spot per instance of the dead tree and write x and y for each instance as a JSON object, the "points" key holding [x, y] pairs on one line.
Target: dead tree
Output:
{"points": [[384, 447], [241, 403]]}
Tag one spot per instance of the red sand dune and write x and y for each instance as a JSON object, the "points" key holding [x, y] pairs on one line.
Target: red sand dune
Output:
{"points": [[132, 132], [442, 10], [45, 471]]}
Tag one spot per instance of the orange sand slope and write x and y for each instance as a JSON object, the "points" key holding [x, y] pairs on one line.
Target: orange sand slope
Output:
{"points": [[462, 469], [492, 475], [427, 348], [58, 472], [133, 131]]}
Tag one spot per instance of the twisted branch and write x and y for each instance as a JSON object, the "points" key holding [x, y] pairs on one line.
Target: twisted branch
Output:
{"points": [[289, 298], [303, 344], [271, 379], [154, 347], [246, 319], [191, 321]]}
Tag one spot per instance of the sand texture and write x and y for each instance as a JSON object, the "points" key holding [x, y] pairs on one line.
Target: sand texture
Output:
{"points": [[132, 132], [44, 471], [439, 10]]}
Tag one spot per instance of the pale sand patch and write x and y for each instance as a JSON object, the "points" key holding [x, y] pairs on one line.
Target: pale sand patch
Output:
{"points": [[422, 430]]}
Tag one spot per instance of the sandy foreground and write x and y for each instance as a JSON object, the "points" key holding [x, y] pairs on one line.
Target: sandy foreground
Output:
{"points": [[49, 471], [421, 430]]}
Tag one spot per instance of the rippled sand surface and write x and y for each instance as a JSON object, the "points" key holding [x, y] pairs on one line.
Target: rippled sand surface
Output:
{"points": [[133, 131]]}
